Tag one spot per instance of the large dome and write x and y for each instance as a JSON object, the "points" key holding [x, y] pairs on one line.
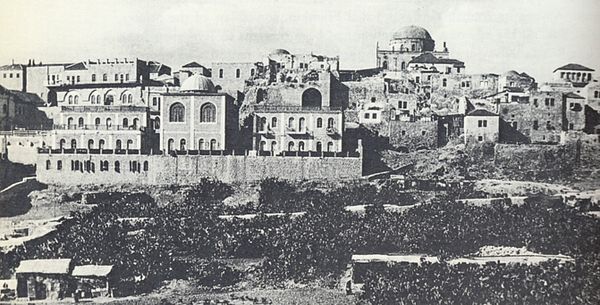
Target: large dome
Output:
{"points": [[279, 52], [412, 32], [197, 83]]}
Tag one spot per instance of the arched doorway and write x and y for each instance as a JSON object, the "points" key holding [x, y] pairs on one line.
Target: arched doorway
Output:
{"points": [[311, 98]]}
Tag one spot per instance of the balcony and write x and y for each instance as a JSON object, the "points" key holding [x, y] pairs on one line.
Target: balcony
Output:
{"points": [[297, 131], [265, 131], [284, 108], [97, 127], [332, 131], [104, 108]]}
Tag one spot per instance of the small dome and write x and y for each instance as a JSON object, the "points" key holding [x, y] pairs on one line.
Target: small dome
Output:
{"points": [[412, 32], [197, 83], [279, 52]]}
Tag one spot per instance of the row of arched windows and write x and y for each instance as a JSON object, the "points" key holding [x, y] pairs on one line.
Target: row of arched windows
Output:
{"points": [[208, 113], [90, 166], [202, 145], [91, 144], [96, 98], [133, 124], [292, 146], [262, 123]]}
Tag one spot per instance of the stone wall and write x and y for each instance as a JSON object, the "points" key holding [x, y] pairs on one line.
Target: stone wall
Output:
{"points": [[412, 136], [165, 170]]}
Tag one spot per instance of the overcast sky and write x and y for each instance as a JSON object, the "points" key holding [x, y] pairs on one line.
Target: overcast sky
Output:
{"points": [[489, 36]]}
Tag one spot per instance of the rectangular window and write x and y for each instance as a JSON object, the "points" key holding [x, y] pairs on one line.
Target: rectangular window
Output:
{"points": [[104, 77], [116, 77], [154, 101], [4, 75], [571, 126], [10, 75], [535, 103], [127, 76], [547, 101], [17, 75], [480, 138], [93, 77], [552, 102], [374, 115], [78, 79], [535, 125], [367, 116]]}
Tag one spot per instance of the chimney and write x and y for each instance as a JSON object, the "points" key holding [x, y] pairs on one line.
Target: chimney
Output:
{"points": [[33, 62], [29, 63], [13, 61]]}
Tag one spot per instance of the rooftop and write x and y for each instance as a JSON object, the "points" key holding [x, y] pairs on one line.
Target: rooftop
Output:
{"points": [[572, 66], [92, 270], [45, 266], [481, 112], [412, 32]]}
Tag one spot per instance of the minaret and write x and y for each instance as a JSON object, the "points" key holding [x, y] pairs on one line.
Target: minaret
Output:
{"points": [[377, 55]]}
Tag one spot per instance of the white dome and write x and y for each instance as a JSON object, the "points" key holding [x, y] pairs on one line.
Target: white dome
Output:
{"points": [[197, 83]]}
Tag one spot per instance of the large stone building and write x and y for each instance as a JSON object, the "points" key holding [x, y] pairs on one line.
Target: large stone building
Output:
{"points": [[408, 44], [198, 118], [102, 104], [12, 77], [575, 74], [481, 126]]}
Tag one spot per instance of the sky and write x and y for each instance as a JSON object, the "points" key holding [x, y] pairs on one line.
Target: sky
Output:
{"points": [[534, 36]]}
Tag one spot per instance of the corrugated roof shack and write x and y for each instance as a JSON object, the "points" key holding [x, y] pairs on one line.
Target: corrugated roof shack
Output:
{"points": [[41, 279], [94, 280]]}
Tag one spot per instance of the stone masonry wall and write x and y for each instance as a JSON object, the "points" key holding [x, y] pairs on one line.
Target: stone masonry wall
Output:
{"points": [[164, 170]]}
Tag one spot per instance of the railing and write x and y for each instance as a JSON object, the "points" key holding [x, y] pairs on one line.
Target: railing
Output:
{"points": [[97, 127], [291, 130], [24, 133], [175, 153], [331, 131], [104, 108], [274, 108]]}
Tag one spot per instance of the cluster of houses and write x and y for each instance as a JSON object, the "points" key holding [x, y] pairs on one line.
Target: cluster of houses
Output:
{"points": [[55, 279]]}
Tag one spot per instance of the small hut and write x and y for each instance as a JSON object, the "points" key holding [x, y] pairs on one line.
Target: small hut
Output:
{"points": [[41, 279], [94, 280]]}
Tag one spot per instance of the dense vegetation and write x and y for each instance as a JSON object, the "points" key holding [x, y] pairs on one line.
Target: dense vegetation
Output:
{"points": [[182, 240]]}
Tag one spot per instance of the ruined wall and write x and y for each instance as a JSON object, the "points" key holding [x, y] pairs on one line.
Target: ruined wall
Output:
{"points": [[414, 135], [164, 170]]}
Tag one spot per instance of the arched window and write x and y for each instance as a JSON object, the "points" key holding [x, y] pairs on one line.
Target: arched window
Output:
{"points": [[130, 99], [48, 164], [101, 144], [301, 146], [145, 166], [301, 124], [330, 123], [73, 144], [273, 146], [70, 99], [93, 99], [319, 123], [59, 164], [208, 113], [220, 73], [330, 146], [403, 66], [384, 65], [157, 123], [76, 99], [201, 144], [80, 122], [213, 144], [97, 121], [311, 98], [119, 145], [108, 122], [170, 144], [182, 144], [136, 122], [117, 167], [238, 73], [129, 144], [177, 113], [62, 143], [262, 145], [90, 144], [274, 122], [262, 124], [291, 146], [291, 123], [69, 122], [110, 99], [125, 122], [319, 146]]}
